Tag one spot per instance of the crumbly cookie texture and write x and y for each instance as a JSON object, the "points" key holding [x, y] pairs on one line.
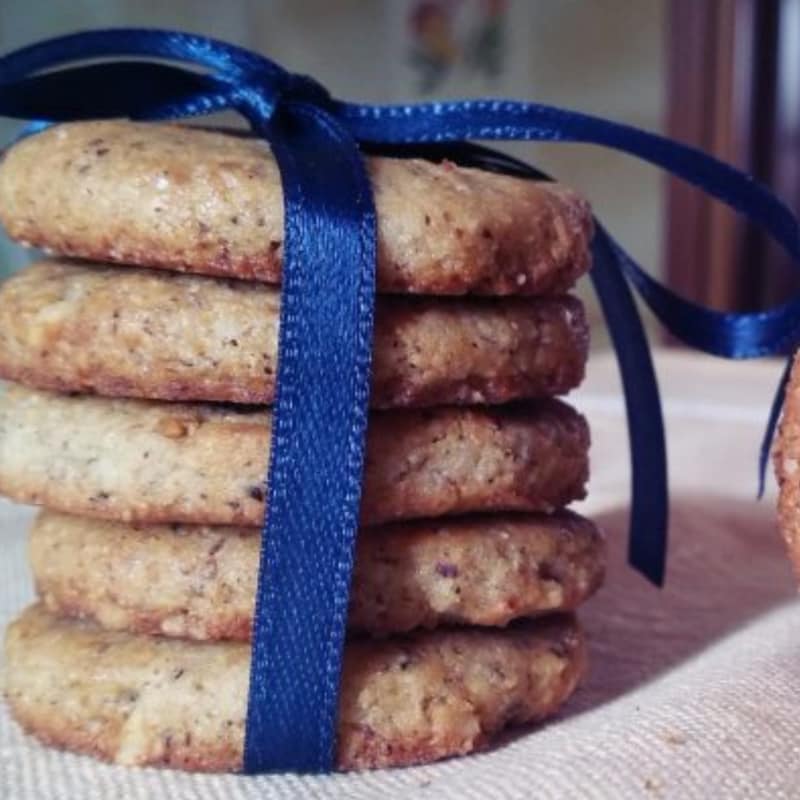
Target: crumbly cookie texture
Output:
{"points": [[148, 461], [787, 467], [203, 201], [141, 333], [199, 582], [142, 700]]}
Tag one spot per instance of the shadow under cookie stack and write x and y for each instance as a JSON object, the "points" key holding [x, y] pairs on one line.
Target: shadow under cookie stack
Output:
{"points": [[139, 421]]}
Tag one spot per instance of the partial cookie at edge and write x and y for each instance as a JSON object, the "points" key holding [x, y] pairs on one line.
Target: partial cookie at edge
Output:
{"points": [[786, 460]]}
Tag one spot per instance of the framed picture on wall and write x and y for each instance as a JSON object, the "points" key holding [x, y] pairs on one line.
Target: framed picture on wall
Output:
{"points": [[457, 47]]}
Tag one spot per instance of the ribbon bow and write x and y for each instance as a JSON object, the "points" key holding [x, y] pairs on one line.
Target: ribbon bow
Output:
{"points": [[326, 321]]}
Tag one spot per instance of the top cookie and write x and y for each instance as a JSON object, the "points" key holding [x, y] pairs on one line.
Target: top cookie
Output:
{"points": [[200, 201]]}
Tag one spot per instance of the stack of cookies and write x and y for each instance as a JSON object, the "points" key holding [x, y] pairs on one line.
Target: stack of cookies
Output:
{"points": [[140, 421]]}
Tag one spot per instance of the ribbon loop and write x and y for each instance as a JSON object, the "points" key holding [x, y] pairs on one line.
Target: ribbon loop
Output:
{"points": [[257, 102]]}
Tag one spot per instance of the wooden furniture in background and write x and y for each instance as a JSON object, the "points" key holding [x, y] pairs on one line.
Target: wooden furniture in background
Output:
{"points": [[734, 91]]}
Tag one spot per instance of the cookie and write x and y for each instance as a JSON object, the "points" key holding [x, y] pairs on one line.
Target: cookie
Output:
{"points": [[141, 333], [199, 582], [787, 467], [142, 700], [148, 461], [204, 201]]}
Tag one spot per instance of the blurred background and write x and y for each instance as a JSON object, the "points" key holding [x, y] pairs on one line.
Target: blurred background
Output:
{"points": [[720, 74]]}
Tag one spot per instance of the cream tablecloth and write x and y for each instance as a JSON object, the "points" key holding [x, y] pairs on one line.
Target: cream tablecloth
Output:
{"points": [[693, 691]]}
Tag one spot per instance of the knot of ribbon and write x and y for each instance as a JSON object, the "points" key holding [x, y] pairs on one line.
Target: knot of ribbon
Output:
{"points": [[262, 92], [327, 309]]}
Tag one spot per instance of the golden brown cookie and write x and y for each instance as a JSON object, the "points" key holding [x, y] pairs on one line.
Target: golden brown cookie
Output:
{"points": [[142, 700], [787, 467], [141, 333], [202, 201], [148, 461], [199, 582]]}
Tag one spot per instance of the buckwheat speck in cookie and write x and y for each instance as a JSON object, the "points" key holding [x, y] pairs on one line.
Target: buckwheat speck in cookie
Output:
{"points": [[199, 582], [201, 201], [149, 461], [143, 333], [143, 700]]}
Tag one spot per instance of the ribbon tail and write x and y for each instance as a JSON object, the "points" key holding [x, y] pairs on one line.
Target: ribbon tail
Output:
{"points": [[649, 507], [772, 424]]}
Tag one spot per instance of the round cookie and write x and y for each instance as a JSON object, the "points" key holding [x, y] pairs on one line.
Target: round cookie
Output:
{"points": [[147, 461], [199, 582], [141, 333], [142, 700], [204, 201]]}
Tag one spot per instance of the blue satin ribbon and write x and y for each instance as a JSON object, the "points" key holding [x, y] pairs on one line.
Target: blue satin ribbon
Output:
{"points": [[321, 404]]}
